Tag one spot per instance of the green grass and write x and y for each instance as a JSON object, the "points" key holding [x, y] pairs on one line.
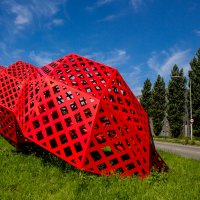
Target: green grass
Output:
{"points": [[184, 141], [30, 177]]}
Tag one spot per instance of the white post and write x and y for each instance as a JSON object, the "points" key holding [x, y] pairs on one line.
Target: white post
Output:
{"points": [[191, 120]]}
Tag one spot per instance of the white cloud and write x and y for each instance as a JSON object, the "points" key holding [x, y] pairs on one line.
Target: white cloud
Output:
{"points": [[108, 18], [58, 22], [162, 62], [9, 55], [103, 2], [17, 53], [113, 58], [55, 22], [3, 49], [136, 4], [133, 79], [111, 17], [41, 58], [45, 8], [27, 11], [197, 32], [97, 4], [23, 16]]}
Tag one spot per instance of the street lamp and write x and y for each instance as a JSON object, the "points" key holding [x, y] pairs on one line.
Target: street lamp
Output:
{"points": [[191, 119]]}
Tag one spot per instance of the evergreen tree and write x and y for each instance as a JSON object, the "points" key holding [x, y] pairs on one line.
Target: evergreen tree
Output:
{"points": [[194, 76], [176, 101], [146, 97], [158, 104]]}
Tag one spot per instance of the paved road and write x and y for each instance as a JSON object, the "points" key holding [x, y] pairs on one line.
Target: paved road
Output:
{"points": [[180, 149]]}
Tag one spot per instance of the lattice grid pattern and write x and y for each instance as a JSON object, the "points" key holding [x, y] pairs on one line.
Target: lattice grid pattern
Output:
{"points": [[81, 111]]}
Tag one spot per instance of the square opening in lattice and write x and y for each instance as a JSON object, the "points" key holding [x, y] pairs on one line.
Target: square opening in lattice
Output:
{"points": [[51, 104], [84, 82], [144, 160], [107, 151], [138, 162], [63, 139], [97, 88], [73, 106], [68, 70], [59, 126], [41, 109], [88, 89], [74, 83], [83, 129], [36, 124], [47, 94], [82, 101], [114, 161], [125, 157], [88, 113], [139, 128], [58, 72], [68, 151], [78, 117], [64, 110], [56, 89], [100, 138], [54, 115], [45, 119], [68, 121], [65, 66], [93, 81], [111, 133], [39, 135], [130, 166], [143, 171], [119, 170], [60, 99], [53, 143], [49, 131], [73, 134], [26, 118], [102, 166], [78, 147], [95, 155], [71, 77]]}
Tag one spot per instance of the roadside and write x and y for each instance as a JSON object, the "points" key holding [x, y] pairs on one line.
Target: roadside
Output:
{"points": [[189, 151], [185, 141]]}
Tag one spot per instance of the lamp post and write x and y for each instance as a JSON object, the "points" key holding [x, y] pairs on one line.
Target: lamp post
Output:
{"points": [[191, 119]]}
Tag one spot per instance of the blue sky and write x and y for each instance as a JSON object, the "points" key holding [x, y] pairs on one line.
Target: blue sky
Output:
{"points": [[141, 38]]}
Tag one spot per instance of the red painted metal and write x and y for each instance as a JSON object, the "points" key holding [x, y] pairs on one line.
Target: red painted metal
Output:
{"points": [[1, 68], [81, 111]]}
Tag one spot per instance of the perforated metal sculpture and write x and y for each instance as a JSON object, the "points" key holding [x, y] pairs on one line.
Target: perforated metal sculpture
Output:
{"points": [[79, 110]]}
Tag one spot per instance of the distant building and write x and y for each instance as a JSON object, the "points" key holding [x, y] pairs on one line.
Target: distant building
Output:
{"points": [[139, 97]]}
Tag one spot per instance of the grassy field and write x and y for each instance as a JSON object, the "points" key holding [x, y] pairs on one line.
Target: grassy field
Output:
{"points": [[31, 177]]}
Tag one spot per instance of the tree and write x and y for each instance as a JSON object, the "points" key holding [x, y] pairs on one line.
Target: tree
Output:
{"points": [[194, 76], [146, 97], [158, 104], [176, 101]]}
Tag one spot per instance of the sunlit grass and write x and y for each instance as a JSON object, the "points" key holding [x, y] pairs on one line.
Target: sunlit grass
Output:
{"points": [[30, 177]]}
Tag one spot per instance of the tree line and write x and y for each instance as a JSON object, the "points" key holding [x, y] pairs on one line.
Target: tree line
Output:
{"points": [[175, 100]]}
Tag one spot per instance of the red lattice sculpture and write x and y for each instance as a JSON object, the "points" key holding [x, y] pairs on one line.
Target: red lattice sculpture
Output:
{"points": [[81, 111]]}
